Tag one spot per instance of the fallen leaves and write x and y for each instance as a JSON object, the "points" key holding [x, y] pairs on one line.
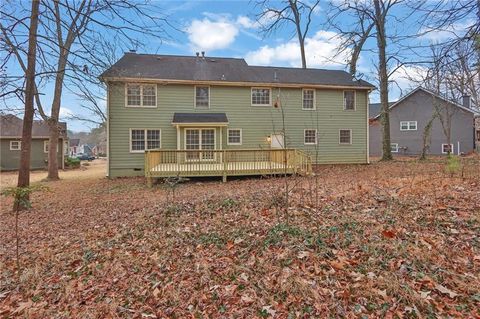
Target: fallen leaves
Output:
{"points": [[384, 244]]}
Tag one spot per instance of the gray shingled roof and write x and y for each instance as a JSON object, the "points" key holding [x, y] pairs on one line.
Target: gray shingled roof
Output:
{"points": [[190, 68], [374, 109], [179, 118], [11, 126]]}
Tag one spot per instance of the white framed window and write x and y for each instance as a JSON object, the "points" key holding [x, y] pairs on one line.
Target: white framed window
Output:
{"points": [[447, 148], [408, 125], [140, 95], [310, 137], [15, 145], [234, 136], [144, 139], [202, 97], [345, 136], [308, 99], [349, 100], [394, 147], [46, 145], [261, 96]]}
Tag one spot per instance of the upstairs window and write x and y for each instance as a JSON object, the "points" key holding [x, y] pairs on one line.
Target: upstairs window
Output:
{"points": [[15, 145], [234, 137], [260, 97], [310, 136], [349, 100], [141, 140], [308, 99], [141, 95], [408, 125], [345, 137], [202, 97]]}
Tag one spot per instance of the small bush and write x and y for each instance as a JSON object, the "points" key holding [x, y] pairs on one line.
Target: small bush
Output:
{"points": [[72, 162], [453, 165]]}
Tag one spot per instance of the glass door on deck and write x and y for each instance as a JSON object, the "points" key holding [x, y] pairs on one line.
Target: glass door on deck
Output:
{"points": [[208, 143], [201, 140]]}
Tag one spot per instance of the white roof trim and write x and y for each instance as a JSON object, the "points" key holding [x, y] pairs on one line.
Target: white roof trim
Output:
{"points": [[434, 94]]}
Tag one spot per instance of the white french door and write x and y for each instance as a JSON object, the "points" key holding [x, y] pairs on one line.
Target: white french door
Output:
{"points": [[202, 140]]}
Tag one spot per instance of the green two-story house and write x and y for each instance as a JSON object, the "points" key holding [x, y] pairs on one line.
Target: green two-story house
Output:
{"points": [[203, 105]]}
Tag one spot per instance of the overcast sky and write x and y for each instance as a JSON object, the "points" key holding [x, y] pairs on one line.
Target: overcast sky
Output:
{"points": [[228, 29]]}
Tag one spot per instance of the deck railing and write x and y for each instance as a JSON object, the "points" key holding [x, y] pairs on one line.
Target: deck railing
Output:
{"points": [[165, 163]]}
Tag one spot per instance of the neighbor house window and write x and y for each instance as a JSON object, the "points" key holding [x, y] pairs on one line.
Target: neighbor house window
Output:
{"points": [[234, 137], [394, 147], [310, 136], [308, 99], [447, 148], [15, 145], [141, 95], [202, 97], [408, 125], [46, 145], [141, 140], [349, 100], [345, 136], [260, 97]]}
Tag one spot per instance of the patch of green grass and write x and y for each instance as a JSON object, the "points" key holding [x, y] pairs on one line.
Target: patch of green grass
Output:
{"points": [[229, 203], [276, 234], [212, 239]]}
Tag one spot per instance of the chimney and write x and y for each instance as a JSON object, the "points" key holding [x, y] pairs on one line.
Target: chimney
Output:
{"points": [[203, 54], [467, 101], [198, 54]]}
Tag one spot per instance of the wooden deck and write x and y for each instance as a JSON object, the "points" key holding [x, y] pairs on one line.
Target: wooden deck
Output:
{"points": [[188, 163]]}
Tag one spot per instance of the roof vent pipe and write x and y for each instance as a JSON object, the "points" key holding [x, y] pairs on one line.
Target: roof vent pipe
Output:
{"points": [[467, 101], [133, 51], [198, 54], [203, 54]]}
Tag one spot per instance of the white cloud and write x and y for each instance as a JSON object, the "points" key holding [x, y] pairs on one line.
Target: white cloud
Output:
{"points": [[321, 51], [211, 35], [453, 30], [246, 22]]}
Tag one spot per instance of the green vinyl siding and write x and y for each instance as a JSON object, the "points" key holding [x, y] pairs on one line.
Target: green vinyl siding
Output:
{"points": [[256, 122], [10, 160]]}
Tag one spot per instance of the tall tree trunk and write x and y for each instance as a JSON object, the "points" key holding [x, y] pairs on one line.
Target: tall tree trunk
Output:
{"points": [[382, 73], [300, 35], [24, 170], [53, 121]]}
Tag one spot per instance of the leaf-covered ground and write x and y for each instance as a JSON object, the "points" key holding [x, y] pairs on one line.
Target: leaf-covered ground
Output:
{"points": [[396, 240]]}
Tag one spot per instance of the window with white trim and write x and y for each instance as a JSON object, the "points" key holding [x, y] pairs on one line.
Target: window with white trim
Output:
{"points": [[408, 125], [234, 136], [394, 147], [141, 140], [310, 136], [141, 95], [345, 136], [349, 100], [202, 97], [46, 145], [15, 145], [447, 148], [308, 102], [261, 96]]}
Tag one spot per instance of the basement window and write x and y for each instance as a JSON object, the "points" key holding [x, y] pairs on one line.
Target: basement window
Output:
{"points": [[310, 137], [15, 145], [345, 137]]}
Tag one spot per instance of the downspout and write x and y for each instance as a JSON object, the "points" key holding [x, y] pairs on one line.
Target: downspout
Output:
{"points": [[108, 129]]}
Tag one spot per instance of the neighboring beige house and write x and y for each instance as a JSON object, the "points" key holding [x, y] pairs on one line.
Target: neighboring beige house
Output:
{"points": [[11, 144]]}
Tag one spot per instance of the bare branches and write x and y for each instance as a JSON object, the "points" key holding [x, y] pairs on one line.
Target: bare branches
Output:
{"points": [[273, 16]]}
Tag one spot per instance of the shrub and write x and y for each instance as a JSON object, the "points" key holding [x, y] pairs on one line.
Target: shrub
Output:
{"points": [[72, 162], [453, 165]]}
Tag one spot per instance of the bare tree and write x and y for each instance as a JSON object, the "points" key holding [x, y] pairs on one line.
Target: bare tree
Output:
{"points": [[24, 169], [369, 16], [70, 36], [274, 15]]}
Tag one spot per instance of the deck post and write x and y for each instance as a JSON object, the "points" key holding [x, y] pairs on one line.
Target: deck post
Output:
{"points": [[224, 158]]}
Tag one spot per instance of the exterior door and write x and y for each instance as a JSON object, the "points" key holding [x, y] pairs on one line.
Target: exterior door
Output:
{"points": [[277, 141], [201, 140]]}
